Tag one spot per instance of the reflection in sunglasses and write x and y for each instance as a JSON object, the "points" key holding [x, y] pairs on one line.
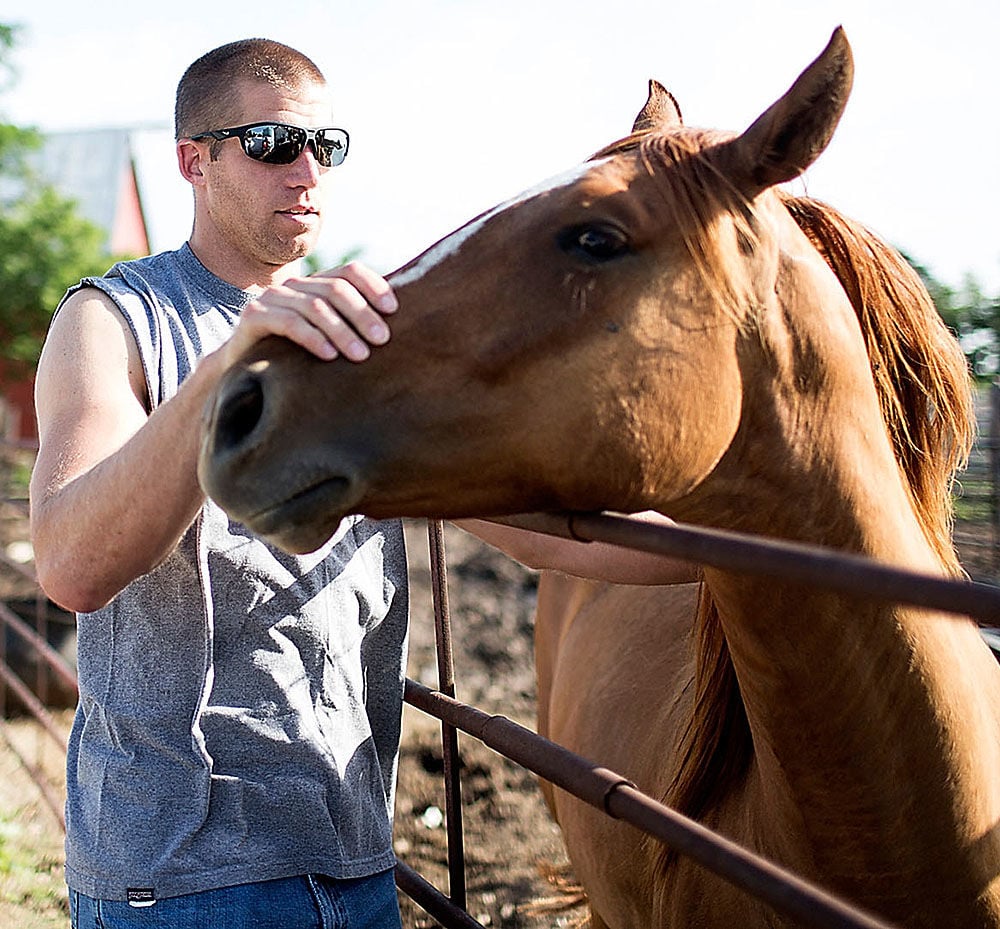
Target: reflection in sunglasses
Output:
{"points": [[281, 144]]}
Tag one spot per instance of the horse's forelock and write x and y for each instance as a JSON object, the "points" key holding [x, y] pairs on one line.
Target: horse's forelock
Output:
{"points": [[698, 202]]}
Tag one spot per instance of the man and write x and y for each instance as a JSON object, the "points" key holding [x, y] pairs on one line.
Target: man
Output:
{"points": [[233, 756], [232, 761]]}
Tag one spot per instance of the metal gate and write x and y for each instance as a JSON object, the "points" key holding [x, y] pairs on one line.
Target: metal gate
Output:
{"points": [[615, 794]]}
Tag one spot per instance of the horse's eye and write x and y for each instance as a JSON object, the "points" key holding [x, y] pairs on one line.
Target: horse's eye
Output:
{"points": [[596, 243]]}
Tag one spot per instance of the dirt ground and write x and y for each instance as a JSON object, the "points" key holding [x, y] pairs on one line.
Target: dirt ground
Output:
{"points": [[510, 840]]}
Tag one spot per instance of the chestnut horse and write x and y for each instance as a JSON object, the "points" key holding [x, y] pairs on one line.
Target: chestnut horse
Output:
{"points": [[663, 328]]}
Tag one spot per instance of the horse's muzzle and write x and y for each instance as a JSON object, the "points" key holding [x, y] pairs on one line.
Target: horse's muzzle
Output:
{"points": [[248, 467]]}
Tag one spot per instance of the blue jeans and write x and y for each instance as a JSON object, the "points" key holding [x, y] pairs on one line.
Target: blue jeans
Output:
{"points": [[309, 902]]}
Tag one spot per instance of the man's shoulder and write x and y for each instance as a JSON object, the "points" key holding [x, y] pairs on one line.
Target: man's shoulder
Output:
{"points": [[161, 265], [140, 293], [144, 275]]}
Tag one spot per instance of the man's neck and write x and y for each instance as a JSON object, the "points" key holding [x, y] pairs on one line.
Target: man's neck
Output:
{"points": [[253, 277]]}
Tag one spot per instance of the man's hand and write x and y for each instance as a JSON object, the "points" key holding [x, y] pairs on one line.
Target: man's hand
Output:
{"points": [[336, 312]]}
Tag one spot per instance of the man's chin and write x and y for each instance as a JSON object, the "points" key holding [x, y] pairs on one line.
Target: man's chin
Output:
{"points": [[294, 250]]}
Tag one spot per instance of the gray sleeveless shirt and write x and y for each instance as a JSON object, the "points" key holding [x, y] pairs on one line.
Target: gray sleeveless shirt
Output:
{"points": [[240, 708]]}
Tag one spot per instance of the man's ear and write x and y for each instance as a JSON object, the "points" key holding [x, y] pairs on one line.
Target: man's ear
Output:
{"points": [[191, 157]]}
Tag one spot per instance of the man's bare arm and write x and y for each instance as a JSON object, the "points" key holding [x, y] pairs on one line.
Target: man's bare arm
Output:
{"points": [[112, 489], [594, 560]]}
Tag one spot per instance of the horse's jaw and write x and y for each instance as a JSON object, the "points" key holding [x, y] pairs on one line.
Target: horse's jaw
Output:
{"points": [[291, 524]]}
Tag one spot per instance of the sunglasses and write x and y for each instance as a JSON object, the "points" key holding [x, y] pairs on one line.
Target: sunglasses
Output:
{"points": [[281, 144]]}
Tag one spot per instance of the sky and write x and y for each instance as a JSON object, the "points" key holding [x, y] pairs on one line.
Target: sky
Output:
{"points": [[456, 105]]}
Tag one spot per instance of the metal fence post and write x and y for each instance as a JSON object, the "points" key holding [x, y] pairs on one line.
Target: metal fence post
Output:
{"points": [[993, 445]]}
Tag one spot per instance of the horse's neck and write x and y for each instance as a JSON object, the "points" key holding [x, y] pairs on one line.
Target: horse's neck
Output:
{"points": [[876, 737], [868, 719]]}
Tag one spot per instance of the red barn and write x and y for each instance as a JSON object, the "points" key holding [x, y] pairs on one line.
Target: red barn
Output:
{"points": [[97, 169]]}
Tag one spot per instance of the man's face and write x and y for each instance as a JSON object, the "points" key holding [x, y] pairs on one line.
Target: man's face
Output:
{"points": [[271, 214]]}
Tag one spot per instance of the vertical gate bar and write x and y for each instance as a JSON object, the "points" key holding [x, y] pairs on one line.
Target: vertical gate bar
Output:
{"points": [[993, 445], [42, 628], [449, 734], [4, 633]]}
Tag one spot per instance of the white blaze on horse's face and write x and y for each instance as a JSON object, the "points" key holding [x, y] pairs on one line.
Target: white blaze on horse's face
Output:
{"points": [[452, 244]]}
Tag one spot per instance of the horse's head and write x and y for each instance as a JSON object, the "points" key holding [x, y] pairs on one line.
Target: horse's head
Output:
{"points": [[586, 346]]}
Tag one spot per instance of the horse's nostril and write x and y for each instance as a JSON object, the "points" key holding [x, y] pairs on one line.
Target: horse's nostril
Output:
{"points": [[239, 412]]}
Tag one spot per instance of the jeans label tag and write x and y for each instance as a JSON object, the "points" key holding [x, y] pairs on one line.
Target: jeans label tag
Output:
{"points": [[140, 896]]}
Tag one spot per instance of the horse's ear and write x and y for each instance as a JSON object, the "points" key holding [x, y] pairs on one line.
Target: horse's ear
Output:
{"points": [[659, 112], [787, 138]]}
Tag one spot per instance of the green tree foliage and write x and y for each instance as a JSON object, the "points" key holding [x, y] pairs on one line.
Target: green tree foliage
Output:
{"points": [[45, 245], [972, 315]]}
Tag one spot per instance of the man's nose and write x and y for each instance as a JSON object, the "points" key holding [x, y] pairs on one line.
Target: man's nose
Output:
{"points": [[306, 169]]}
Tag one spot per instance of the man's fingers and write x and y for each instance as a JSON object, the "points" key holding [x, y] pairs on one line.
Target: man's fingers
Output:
{"points": [[338, 312], [338, 297], [272, 315], [371, 285]]}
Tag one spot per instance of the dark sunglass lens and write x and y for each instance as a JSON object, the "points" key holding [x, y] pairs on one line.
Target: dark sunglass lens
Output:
{"points": [[273, 144], [331, 148], [258, 142], [289, 142]]}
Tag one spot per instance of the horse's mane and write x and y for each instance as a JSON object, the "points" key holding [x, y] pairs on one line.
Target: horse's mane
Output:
{"points": [[919, 370], [924, 391]]}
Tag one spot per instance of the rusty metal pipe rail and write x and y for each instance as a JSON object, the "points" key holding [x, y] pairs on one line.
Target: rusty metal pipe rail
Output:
{"points": [[33, 705], [814, 565], [49, 655], [616, 796], [45, 720], [431, 899]]}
